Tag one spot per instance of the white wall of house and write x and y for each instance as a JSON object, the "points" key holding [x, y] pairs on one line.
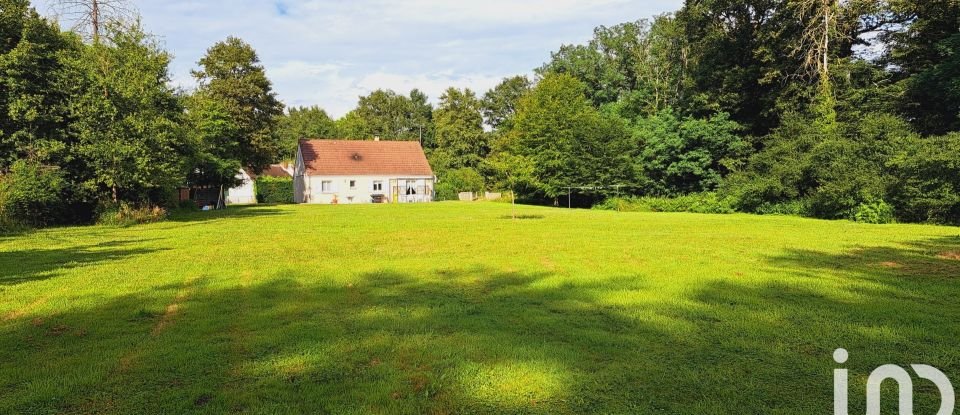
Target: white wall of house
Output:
{"points": [[361, 188], [244, 194]]}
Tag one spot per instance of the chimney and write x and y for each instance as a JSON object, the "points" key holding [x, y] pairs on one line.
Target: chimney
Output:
{"points": [[376, 138]]}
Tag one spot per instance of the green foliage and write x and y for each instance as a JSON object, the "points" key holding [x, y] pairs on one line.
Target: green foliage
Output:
{"points": [[214, 133], [831, 173], [459, 131], [687, 155], [231, 74], [459, 180], [873, 212], [303, 123], [500, 103], [390, 116], [933, 94], [39, 77], [637, 61], [274, 189], [925, 55], [32, 194], [790, 207], [129, 120], [126, 214], [709, 202], [926, 181], [568, 141]]}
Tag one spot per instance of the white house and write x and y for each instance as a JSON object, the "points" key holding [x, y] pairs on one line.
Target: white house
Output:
{"points": [[245, 193], [353, 171]]}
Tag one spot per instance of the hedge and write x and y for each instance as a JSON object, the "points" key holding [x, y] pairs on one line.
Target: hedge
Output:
{"points": [[274, 190]]}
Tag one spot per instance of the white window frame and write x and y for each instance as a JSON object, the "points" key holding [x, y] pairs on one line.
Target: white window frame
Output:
{"points": [[353, 184], [326, 186], [378, 185]]}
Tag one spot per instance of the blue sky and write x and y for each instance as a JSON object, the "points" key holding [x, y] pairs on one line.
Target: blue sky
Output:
{"points": [[328, 53]]}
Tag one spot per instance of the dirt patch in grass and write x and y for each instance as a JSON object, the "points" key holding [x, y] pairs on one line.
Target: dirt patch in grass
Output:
{"points": [[203, 399], [20, 312], [954, 255], [522, 217], [891, 264], [170, 313]]}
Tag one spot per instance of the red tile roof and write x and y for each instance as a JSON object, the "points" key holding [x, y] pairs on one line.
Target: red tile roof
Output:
{"points": [[275, 170], [359, 157]]}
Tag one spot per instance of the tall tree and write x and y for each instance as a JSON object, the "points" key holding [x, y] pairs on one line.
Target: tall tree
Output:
{"points": [[607, 64], [459, 129], [390, 116], [738, 62], [214, 134], [303, 122], [231, 73], [500, 103], [91, 17], [926, 56], [39, 75], [129, 118], [568, 141], [685, 155]]}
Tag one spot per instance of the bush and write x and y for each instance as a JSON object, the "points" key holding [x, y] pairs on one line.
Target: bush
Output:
{"points": [[927, 185], [274, 190], [32, 194], [791, 207], [694, 203], [459, 180], [127, 215], [873, 212]]}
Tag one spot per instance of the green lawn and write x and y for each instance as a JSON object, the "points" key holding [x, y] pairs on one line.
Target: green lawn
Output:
{"points": [[457, 308]]}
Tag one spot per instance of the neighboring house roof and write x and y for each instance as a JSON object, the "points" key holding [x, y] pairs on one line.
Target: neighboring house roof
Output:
{"points": [[276, 170], [356, 157]]}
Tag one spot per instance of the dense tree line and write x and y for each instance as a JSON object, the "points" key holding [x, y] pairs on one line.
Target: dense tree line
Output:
{"points": [[89, 126], [833, 109], [815, 107]]}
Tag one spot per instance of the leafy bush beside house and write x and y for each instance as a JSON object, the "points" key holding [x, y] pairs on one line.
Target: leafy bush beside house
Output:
{"points": [[274, 189], [459, 180]]}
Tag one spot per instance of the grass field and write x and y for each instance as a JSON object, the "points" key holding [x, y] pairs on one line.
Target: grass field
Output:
{"points": [[457, 308]]}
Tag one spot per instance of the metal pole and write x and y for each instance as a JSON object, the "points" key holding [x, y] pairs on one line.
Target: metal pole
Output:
{"points": [[569, 192]]}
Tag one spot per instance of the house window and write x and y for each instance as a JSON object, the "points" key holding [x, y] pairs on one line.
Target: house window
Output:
{"points": [[378, 185], [411, 187], [353, 185], [326, 186]]}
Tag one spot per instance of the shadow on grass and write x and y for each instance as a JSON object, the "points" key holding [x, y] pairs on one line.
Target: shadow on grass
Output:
{"points": [[231, 212], [477, 340], [38, 264]]}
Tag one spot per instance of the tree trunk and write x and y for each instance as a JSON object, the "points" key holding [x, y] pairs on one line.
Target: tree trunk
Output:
{"points": [[95, 20]]}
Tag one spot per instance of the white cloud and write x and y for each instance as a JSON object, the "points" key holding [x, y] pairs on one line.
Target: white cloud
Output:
{"points": [[336, 88], [325, 52]]}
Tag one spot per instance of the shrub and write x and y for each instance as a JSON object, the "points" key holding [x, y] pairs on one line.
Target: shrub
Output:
{"points": [[32, 194], [873, 212], [187, 206], [927, 185], [126, 215], [791, 207], [274, 190], [459, 180], [695, 203]]}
